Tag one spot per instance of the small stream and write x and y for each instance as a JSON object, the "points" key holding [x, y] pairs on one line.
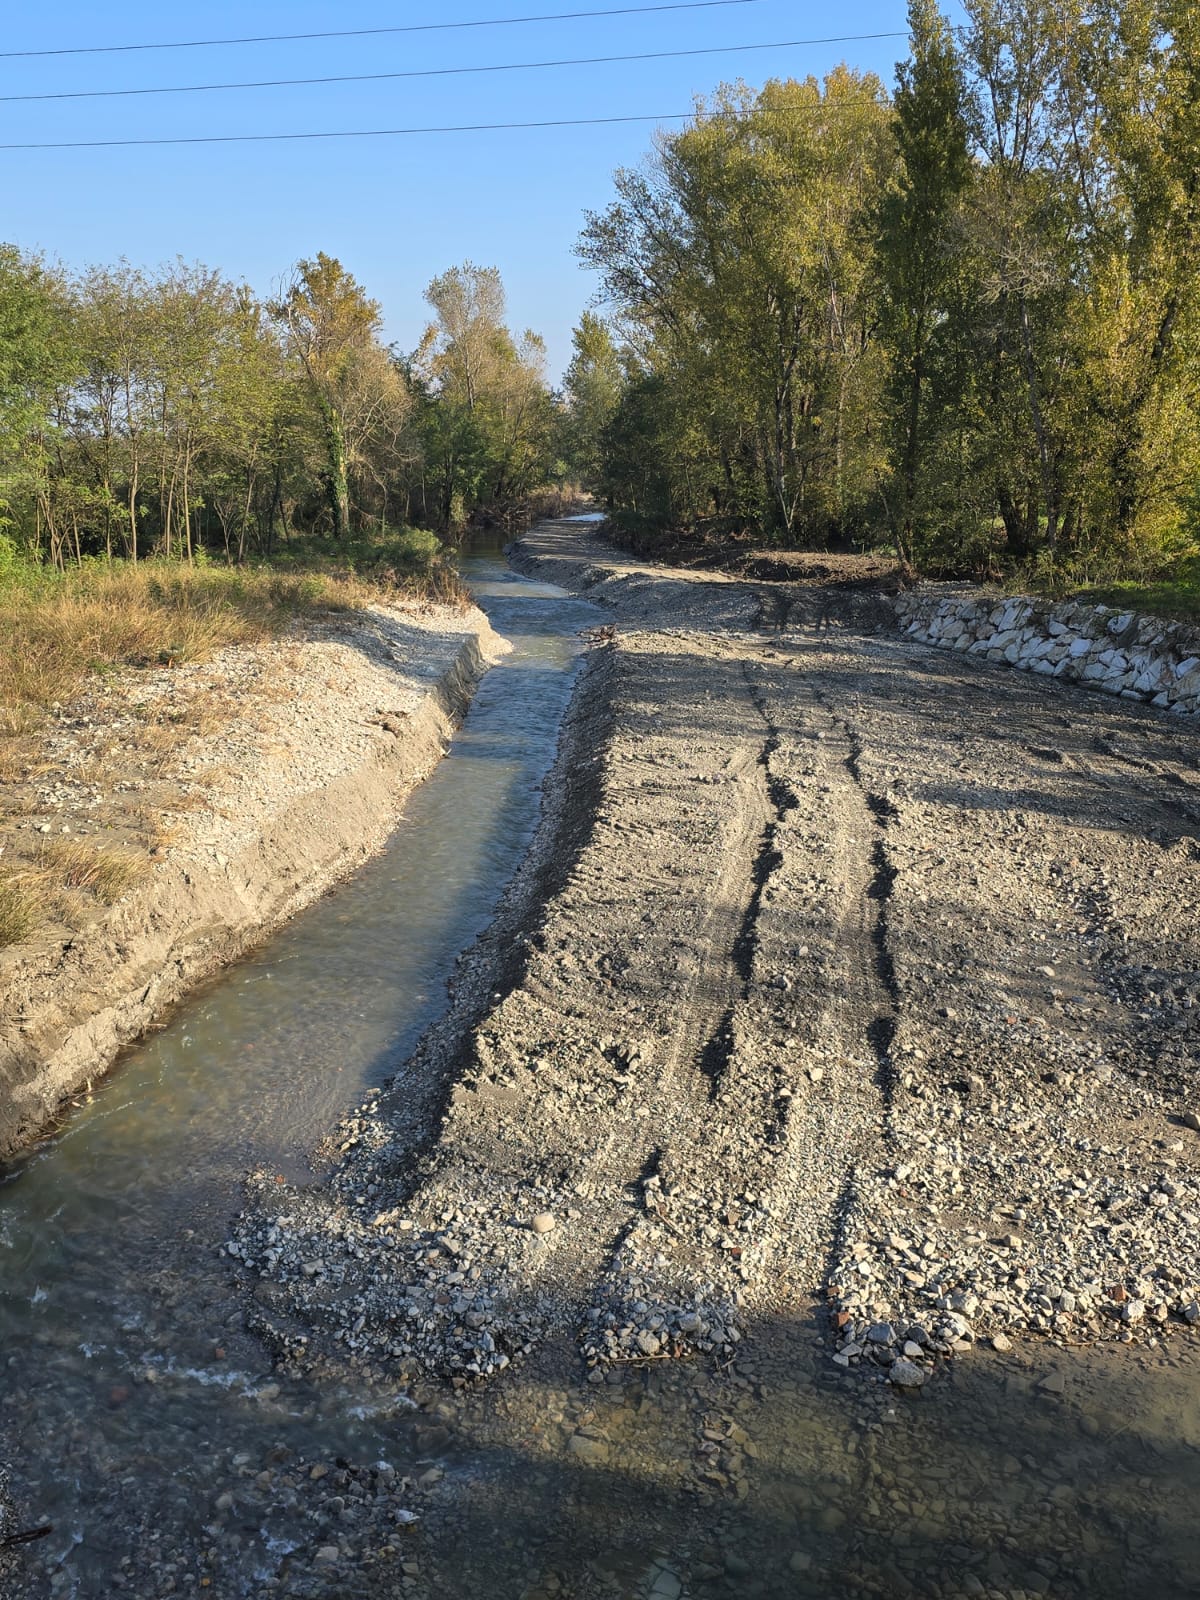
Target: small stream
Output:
{"points": [[123, 1355]]}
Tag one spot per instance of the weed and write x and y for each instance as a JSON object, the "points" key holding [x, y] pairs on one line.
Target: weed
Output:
{"points": [[79, 864], [18, 911]]}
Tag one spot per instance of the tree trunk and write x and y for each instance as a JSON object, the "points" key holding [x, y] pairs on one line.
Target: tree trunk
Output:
{"points": [[1049, 487], [336, 485]]}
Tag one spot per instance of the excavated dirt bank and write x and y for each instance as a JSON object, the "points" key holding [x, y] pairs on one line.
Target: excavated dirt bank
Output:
{"points": [[321, 738]]}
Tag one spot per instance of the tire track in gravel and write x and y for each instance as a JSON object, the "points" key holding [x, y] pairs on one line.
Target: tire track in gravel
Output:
{"points": [[742, 1214], [610, 1172], [837, 1081], [664, 1289], [580, 1082]]}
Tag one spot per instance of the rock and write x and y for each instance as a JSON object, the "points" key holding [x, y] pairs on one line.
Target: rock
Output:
{"points": [[906, 1374], [882, 1333], [543, 1222], [1001, 1342], [801, 1561], [594, 1452], [326, 1555], [1191, 1119], [1053, 1383]]}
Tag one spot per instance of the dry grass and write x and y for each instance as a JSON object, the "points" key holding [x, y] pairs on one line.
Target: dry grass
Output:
{"points": [[13, 762], [18, 911], [57, 631], [79, 864], [54, 630]]}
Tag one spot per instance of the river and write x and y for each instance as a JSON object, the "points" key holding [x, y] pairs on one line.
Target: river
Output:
{"points": [[112, 1299]]}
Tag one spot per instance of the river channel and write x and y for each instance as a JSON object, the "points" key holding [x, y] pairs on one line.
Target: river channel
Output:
{"points": [[145, 1425], [112, 1305]]}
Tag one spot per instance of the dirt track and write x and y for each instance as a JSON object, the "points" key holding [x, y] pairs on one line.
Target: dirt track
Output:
{"points": [[850, 994]]}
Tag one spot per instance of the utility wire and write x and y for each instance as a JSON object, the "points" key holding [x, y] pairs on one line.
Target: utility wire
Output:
{"points": [[384, 133], [362, 33], [447, 72]]}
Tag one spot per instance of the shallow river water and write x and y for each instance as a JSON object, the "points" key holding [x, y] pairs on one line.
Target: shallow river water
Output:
{"points": [[252, 1071], [135, 1411]]}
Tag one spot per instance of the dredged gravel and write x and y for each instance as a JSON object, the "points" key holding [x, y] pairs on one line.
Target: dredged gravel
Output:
{"points": [[848, 991]]}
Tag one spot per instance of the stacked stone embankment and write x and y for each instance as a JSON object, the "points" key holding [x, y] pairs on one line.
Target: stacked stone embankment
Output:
{"points": [[1137, 657]]}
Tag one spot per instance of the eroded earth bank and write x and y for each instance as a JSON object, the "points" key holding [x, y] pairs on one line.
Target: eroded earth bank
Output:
{"points": [[801, 1195], [258, 779]]}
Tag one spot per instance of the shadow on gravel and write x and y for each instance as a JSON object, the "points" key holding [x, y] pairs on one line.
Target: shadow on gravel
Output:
{"points": [[786, 1478], [1079, 757]]}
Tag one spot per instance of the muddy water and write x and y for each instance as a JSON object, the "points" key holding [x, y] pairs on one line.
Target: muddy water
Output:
{"points": [[112, 1303]]}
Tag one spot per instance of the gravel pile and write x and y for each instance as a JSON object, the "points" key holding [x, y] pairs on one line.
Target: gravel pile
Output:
{"points": [[407, 1297]]}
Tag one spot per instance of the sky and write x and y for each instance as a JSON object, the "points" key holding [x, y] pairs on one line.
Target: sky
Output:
{"points": [[395, 210]]}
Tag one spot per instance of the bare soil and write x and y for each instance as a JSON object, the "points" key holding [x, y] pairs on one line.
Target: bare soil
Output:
{"points": [[739, 558]]}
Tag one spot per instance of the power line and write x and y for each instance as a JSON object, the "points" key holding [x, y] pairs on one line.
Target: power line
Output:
{"points": [[341, 133], [389, 133], [362, 33], [446, 72]]}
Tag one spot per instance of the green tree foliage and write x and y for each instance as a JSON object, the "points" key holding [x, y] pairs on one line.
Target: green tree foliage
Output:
{"points": [[37, 357], [920, 283], [592, 385], [332, 329], [737, 261], [487, 422], [965, 318], [154, 413]]}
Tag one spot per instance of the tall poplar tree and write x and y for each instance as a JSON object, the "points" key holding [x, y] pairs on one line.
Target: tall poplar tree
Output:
{"points": [[920, 269]]}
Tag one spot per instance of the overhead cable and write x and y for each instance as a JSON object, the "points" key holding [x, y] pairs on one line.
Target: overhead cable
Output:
{"points": [[448, 72], [822, 109], [363, 33]]}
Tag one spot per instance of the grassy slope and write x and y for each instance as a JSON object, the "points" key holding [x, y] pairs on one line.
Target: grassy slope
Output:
{"points": [[1174, 595], [56, 630]]}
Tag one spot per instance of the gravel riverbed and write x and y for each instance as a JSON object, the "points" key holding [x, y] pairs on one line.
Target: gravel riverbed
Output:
{"points": [[801, 1194], [860, 991]]}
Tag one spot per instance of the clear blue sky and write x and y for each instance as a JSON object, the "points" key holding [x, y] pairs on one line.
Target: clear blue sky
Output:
{"points": [[394, 210]]}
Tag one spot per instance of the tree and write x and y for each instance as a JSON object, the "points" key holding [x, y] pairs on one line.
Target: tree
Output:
{"points": [[920, 271], [332, 330], [592, 384], [1144, 66], [37, 357], [736, 263], [486, 417]]}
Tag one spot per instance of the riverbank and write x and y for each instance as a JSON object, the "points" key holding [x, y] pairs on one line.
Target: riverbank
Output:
{"points": [[277, 768]]}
